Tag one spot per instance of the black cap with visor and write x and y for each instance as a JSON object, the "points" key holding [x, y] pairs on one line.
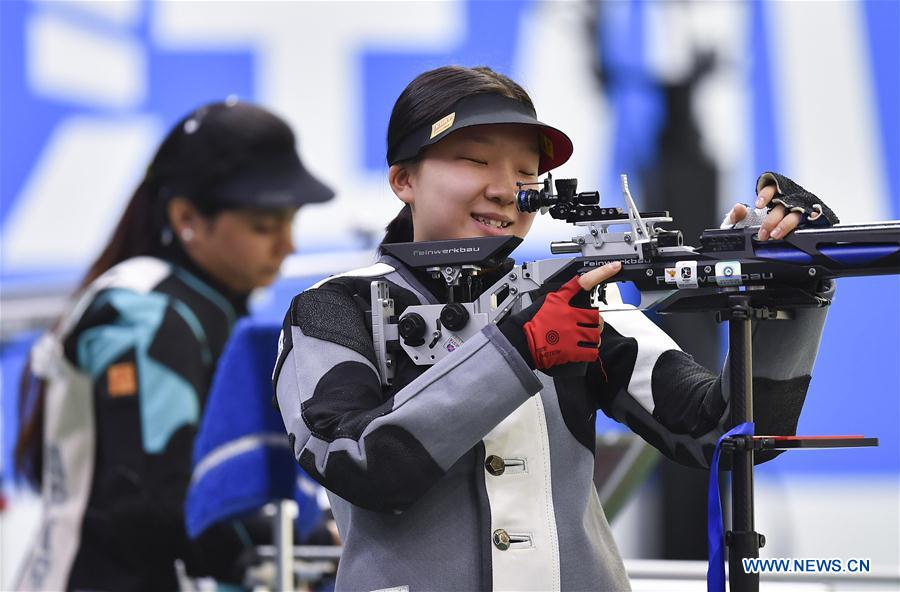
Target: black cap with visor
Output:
{"points": [[235, 155], [485, 109]]}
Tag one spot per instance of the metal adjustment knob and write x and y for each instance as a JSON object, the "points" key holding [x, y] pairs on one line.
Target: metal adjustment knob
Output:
{"points": [[669, 238], [412, 329], [454, 316], [501, 539], [494, 465]]}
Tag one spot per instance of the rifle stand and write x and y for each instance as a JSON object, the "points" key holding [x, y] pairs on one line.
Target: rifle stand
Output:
{"points": [[742, 540]]}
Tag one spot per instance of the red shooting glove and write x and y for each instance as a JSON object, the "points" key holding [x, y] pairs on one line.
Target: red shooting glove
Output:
{"points": [[560, 328]]}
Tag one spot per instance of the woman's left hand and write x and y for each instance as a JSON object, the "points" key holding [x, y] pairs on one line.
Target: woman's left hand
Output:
{"points": [[778, 222], [789, 206]]}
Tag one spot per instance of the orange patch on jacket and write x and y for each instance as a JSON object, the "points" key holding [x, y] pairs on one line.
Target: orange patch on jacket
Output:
{"points": [[121, 380]]}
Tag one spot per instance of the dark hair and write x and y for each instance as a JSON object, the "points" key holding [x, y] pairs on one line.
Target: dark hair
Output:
{"points": [[430, 96]]}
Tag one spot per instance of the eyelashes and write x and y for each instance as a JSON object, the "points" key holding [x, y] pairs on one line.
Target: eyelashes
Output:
{"points": [[484, 163]]}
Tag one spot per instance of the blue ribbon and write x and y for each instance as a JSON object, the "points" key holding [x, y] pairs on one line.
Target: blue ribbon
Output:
{"points": [[715, 573]]}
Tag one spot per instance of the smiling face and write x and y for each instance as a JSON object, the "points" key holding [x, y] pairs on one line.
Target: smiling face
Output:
{"points": [[465, 185]]}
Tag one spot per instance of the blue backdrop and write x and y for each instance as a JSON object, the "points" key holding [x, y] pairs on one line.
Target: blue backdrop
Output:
{"points": [[856, 388]]}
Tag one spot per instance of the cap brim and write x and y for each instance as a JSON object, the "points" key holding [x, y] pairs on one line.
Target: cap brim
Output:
{"points": [[557, 151], [489, 109], [274, 185], [555, 146]]}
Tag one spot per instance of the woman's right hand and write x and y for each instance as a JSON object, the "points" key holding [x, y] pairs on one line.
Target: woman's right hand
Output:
{"points": [[562, 327]]}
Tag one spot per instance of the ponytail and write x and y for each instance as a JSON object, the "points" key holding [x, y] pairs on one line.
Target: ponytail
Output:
{"points": [[139, 232], [400, 229]]}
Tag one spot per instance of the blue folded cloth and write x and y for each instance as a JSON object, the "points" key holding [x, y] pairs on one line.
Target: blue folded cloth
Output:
{"points": [[242, 459]]}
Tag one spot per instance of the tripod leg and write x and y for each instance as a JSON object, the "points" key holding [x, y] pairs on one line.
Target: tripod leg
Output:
{"points": [[742, 541]]}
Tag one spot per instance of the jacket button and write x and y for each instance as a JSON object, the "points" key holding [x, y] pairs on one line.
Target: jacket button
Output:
{"points": [[501, 539], [494, 465]]}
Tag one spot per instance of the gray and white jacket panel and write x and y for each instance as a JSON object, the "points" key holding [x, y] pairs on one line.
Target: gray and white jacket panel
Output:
{"points": [[405, 464]]}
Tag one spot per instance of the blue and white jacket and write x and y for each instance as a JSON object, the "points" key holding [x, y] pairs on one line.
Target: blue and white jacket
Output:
{"points": [[126, 375]]}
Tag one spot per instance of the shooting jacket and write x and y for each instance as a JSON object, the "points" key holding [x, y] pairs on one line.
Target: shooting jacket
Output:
{"points": [[476, 473], [126, 373]]}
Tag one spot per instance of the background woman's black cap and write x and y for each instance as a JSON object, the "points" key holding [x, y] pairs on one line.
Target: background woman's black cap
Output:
{"points": [[486, 109], [235, 155]]}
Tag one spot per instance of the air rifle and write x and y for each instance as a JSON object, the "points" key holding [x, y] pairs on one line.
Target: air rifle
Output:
{"points": [[774, 275]]}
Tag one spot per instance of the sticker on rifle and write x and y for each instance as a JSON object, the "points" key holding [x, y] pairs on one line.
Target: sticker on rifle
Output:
{"points": [[686, 274], [442, 124], [453, 343], [728, 273], [670, 275]]}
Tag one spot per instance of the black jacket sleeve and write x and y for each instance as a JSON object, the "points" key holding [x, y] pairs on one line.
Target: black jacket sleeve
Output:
{"points": [[645, 381]]}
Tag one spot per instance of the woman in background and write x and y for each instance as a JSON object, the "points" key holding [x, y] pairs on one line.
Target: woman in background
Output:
{"points": [[113, 394]]}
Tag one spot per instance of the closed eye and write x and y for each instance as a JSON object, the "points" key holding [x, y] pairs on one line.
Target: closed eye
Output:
{"points": [[263, 228], [475, 160]]}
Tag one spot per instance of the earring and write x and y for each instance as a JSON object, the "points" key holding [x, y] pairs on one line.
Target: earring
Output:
{"points": [[186, 234]]}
